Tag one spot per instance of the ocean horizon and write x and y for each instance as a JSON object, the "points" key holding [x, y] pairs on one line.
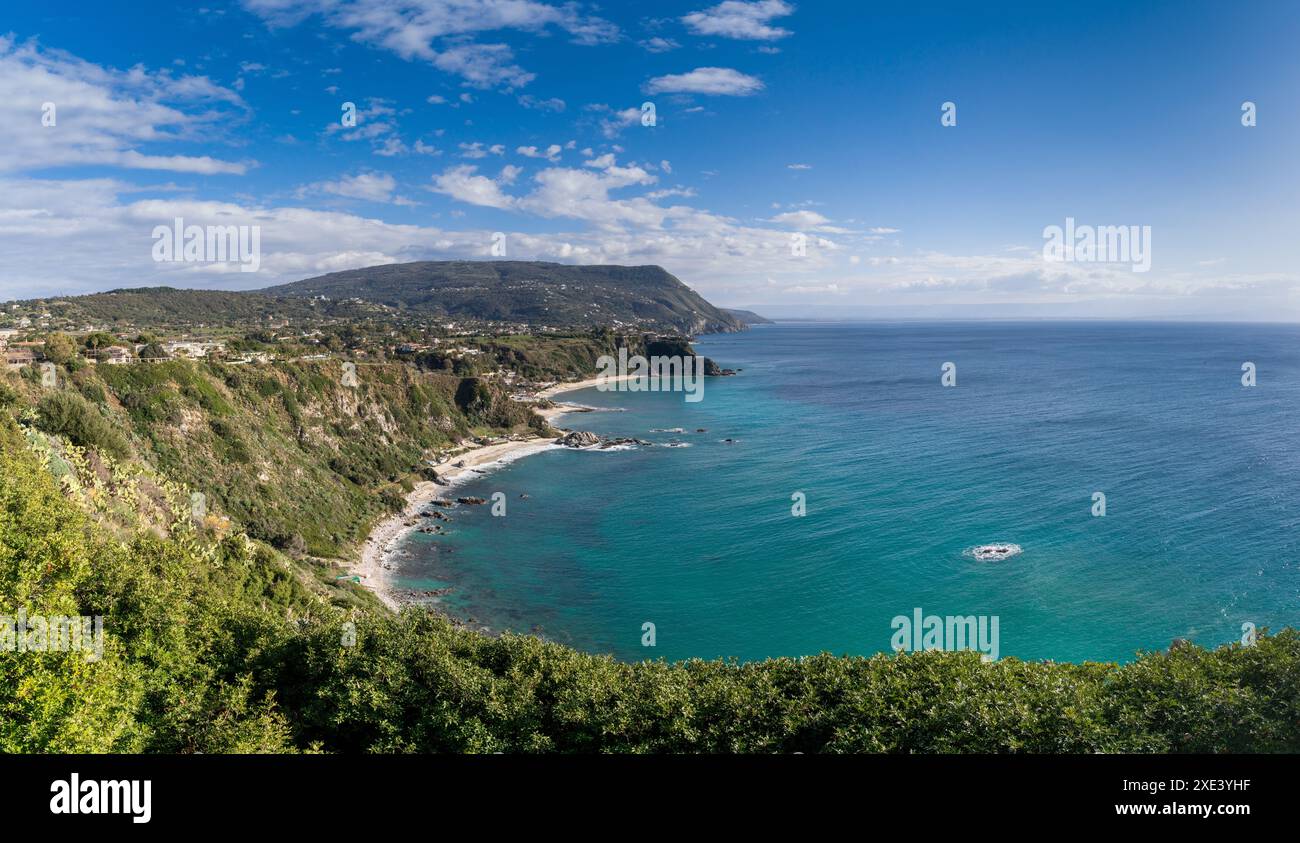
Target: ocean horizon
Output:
{"points": [[901, 477]]}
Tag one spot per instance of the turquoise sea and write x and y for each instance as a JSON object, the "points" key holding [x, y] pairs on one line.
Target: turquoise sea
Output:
{"points": [[902, 475]]}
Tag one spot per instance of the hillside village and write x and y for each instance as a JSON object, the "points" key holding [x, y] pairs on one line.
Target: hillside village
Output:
{"points": [[27, 333]]}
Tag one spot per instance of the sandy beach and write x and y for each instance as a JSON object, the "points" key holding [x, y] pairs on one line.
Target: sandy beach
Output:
{"points": [[588, 383], [385, 536]]}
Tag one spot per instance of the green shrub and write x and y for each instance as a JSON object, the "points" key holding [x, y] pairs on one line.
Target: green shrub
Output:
{"points": [[69, 414]]}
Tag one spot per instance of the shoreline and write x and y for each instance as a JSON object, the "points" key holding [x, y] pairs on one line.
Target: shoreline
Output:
{"points": [[571, 386], [379, 546]]}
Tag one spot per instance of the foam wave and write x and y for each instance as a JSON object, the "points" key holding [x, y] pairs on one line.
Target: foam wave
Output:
{"points": [[995, 552], [478, 471]]}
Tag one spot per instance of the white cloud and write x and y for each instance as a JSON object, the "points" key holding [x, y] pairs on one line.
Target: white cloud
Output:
{"points": [[723, 81], [617, 121], [465, 185], [377, 125], [742, 20], [483, 65], [372, 187], [801, 289], [478, 150], [104, 242], [107, 117], [554, 104], [440, 31], [551, 153], [612, 122], [801, 219], [658, 45], [684, 192]]}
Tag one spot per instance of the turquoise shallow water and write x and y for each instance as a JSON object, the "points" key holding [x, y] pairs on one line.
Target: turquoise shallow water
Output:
{"points": [[1201, 477]]}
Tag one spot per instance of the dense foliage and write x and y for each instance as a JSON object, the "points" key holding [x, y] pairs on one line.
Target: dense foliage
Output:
{"points": [[71, 415]]}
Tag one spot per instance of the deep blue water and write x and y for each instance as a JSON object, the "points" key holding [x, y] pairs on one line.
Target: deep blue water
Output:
{"points": [[1201, 477]]}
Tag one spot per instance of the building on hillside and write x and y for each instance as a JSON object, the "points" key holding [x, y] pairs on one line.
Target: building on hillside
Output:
{"points": [[116, 355], [194, 350], [17, 358], [252, 357]]}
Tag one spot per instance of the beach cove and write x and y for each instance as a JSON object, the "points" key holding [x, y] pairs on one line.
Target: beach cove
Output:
{"points": [[374, 566]]}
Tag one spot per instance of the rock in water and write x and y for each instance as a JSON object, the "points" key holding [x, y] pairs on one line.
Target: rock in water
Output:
{"points": [[578, 439], [994, 552]]}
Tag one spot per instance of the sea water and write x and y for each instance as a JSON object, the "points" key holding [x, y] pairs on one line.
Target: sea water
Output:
{"points": [[901, 477]]}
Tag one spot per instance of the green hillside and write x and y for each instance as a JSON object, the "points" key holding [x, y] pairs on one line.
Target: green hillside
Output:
{"points": [[530, 292]]}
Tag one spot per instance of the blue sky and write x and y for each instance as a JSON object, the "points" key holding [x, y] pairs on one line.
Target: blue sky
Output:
{"points": [[773, 118]]}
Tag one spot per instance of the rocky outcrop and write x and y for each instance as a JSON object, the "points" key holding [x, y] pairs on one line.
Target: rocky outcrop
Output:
{"points": [[578, 439], [587, 439]]}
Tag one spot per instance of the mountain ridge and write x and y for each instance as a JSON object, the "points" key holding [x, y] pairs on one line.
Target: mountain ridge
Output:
{"points": [[535, 292]]}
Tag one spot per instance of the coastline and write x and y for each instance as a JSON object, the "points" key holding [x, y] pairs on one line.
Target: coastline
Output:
{"points": [[570, 386], [376, 553]]}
